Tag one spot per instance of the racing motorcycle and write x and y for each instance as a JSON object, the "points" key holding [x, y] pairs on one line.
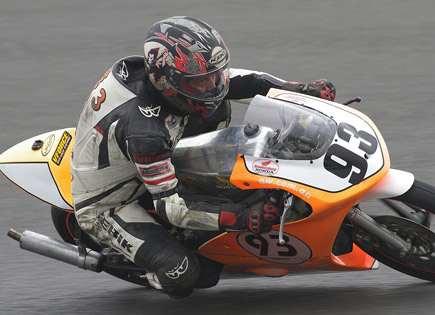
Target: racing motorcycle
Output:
{"points": [[318, 161]]}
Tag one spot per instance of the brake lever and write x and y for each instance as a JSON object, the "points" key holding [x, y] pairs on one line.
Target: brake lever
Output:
{"points": [[288, 204], [356, 100]]}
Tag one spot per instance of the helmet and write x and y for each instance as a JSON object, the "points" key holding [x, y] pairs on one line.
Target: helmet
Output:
{"points": [[186, 61]]}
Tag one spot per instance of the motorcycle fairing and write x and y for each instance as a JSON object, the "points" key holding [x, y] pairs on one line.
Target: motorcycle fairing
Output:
{"points": [[350, 155], [41, 167], [330, 205], [235, 249], [263, 255], [318, 231]]}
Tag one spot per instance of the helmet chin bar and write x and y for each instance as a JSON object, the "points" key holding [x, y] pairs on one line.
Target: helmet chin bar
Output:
{"points": [[206, 109], [178, 81]]}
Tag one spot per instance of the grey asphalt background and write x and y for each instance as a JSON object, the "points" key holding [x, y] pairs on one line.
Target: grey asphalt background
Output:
{"points": [[53, 51]]}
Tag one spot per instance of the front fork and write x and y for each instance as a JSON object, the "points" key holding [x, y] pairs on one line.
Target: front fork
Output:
{"points": [[360, 219]]}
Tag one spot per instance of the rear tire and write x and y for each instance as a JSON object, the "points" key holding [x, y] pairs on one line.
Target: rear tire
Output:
{"points": [[64, 222], [67, 227]]}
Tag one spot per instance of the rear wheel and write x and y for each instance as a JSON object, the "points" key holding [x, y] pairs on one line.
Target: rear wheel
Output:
{"points": [[65, 223], [67, 227]]}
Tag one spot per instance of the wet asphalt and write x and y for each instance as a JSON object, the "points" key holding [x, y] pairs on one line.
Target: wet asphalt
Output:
{"points": [[53, 51]]}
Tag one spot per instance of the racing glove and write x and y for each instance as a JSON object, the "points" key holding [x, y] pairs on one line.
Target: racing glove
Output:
{"points": [[320, 88], [257, 218]]}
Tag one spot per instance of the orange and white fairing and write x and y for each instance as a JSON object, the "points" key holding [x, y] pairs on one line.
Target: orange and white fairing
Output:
{"points": [[354, 163], [356, 160]]}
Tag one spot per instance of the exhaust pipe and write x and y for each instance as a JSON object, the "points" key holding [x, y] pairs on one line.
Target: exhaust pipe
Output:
{"points": [[71, 254]]}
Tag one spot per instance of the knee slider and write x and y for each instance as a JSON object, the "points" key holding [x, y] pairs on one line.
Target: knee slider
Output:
{"points": [[178, 277]]}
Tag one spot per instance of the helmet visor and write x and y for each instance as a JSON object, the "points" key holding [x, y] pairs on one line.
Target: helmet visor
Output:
{"points": [[206, 87]]}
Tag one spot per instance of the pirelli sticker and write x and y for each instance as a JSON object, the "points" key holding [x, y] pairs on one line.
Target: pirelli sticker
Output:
{"points": [[61, 148]]}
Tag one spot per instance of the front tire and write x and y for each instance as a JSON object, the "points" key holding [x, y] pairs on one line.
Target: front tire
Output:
{"points": [[418, 262], [420, 199]]}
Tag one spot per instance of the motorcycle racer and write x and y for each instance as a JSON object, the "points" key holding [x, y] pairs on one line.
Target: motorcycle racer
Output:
{"points": [[128, 127]]}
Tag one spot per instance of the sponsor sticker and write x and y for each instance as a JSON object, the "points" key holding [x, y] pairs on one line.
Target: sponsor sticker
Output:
{"points": [[265, 167], [225, 183], [171, 122], [292, 98], [285, 184], [218, 55], [155, 170], [48, 144], [146, 159], [61, 148]]}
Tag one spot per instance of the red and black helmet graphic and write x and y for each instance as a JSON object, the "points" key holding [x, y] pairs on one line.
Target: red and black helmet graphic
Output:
{"points": [[181, 49]]}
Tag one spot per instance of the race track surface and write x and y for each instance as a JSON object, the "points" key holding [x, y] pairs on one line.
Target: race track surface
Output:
{"points": [[53, 51]]}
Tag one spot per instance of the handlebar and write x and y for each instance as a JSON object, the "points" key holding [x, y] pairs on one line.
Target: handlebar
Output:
{"points": [[356, 100]]}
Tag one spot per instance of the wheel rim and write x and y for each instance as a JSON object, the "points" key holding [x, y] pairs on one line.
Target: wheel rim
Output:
{"points": [[421, 255]]}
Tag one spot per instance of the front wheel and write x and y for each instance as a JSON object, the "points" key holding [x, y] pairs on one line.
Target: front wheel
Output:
{"points": [[417, 204], [418, 261]]}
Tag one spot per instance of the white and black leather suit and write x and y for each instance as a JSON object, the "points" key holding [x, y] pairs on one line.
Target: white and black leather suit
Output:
{"points": [[124, 139]]}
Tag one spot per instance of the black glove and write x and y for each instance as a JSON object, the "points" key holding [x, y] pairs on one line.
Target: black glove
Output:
{"points": [[257, 218], [320, 88]]}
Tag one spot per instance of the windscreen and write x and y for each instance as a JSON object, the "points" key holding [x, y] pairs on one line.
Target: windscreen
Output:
{"points": [[301, 132], [216, 152], [204, 163], [273, 129]]}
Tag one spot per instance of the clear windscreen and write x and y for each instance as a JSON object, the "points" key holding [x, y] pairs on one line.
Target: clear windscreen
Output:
{"points": [[217, 151], [301, 132], [273, 129], [204, 163]]}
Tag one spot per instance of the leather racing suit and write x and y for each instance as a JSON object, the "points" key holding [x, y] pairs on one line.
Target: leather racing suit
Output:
{"points": [[124, 139]]}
